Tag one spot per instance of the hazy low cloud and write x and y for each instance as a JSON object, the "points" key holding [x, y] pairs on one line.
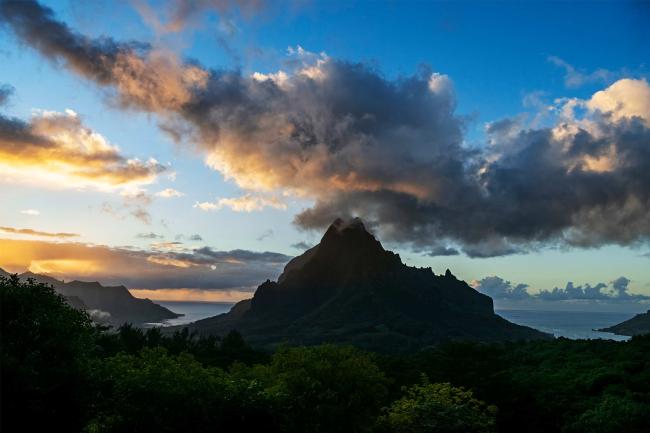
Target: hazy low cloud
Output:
{"points": [[30, 212], [203, 268], [616, 291], [31, 232], [389, 150], [150, 235]]}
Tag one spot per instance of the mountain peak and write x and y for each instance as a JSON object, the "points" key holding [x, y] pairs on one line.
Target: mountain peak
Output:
{"points": [[354, 224], [349, 289], [346, 239]]}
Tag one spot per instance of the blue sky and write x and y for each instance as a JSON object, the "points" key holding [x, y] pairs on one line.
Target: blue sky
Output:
{"points": [[504, 60]]}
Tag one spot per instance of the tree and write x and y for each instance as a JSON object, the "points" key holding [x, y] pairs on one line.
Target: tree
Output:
{"points": [[154, 391], [44, 346], [613, 414], [438, 408], [325, 388]]}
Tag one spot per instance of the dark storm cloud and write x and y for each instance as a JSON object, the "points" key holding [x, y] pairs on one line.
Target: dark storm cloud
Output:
{"points": [[441, 250], [615, 291], [388, 150]]}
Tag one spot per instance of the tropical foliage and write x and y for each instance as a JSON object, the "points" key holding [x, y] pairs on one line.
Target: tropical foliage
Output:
{"points": [[62, 373]]}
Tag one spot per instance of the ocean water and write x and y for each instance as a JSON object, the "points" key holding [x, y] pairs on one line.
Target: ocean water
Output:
{"points": [[568, 324], [192, 311]]}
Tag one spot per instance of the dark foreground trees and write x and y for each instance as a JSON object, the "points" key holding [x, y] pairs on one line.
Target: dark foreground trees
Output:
{"points": [[438, 408], [45, 347], [61, 373]]}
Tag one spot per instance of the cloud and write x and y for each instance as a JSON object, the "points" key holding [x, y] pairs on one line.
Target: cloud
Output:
{"points": [[169, 193], [498, 288], [441, 250], [245, 203], [180, 14], [625, 99], [57, 148], [615, 291], [202, 268], [391, 150], [30, 212], [169, 245], [5, 93], [150, 235], [266, 234], [194, 295], [195, 237], [30, 232], [301, 245], [576, 78], [143, 76], [99, 315]]}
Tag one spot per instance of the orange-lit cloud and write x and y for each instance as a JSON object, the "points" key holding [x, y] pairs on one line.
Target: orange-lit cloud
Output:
{"points": [[199, 268], [169, 193], [196, 295], [56, 148], [31, 232], [245, 203], [392, 150]]}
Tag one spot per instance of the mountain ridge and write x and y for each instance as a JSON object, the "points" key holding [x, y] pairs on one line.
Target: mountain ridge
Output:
{"points": [[637, 325], [112, 304], [349, 289]]}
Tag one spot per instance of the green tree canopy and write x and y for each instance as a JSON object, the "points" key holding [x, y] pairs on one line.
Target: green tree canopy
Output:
{"points": [[438, 408], [44, 346]]}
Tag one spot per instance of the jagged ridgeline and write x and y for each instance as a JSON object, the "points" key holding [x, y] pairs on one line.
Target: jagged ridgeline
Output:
{"points": [[349, 289], [112, 305]]}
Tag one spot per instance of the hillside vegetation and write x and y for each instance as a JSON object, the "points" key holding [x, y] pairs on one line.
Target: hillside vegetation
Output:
{"points": [[62, 373]]}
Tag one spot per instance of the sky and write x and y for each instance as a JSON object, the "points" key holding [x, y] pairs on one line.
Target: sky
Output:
{"points": [[189, 149]]}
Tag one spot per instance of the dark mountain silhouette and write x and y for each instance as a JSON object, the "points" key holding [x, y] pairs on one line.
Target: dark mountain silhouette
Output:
{"points": [[637, 325], [114, 305], [348, 289]]}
